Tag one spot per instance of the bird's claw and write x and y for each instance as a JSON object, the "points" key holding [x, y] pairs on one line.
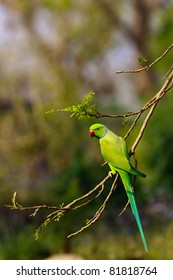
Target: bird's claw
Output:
{"points": [[110, 174]]}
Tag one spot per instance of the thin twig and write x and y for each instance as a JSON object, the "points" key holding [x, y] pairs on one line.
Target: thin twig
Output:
{"points": [[89, 193], [99, 211], [148, 66], [35, 207], [158, 96], [93, 198], [124, 209], [75, 201]]}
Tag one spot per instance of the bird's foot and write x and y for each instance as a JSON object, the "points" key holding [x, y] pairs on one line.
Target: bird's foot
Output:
{"points": [[110, 173]]}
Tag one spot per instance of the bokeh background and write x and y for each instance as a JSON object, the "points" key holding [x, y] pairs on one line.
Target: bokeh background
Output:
{"points": [[53, 52]]}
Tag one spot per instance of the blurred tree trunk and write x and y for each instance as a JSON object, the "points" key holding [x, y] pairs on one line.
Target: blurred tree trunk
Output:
{"points": [[138, 32]]}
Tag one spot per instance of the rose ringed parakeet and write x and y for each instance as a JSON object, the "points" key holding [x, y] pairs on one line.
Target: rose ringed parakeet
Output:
{"points": [[115, 153]]}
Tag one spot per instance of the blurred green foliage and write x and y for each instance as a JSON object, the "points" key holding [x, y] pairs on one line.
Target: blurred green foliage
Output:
{"points": [[52, 53]]}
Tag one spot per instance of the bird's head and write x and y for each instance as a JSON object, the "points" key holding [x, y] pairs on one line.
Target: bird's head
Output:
{"points": [[98, 130]]}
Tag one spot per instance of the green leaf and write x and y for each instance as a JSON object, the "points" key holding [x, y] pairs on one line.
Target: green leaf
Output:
{"points": [[143, 60]]}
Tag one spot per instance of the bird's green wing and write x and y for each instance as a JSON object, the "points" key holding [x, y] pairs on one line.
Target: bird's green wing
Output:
{"points": [[114, 151]]}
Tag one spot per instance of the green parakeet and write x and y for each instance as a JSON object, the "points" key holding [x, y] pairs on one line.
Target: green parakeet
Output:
{"points": [[115, 153]]}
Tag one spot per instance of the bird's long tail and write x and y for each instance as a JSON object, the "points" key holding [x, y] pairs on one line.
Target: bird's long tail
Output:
{"points": [[128, 187]]}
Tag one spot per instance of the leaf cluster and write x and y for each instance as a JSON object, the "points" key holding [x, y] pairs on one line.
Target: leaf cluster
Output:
{"points": [[80, 110]]}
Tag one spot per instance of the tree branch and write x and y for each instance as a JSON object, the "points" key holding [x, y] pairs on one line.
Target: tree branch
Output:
{"points": [[86, 109], [146, 67], [166, 87], [99, 211]]}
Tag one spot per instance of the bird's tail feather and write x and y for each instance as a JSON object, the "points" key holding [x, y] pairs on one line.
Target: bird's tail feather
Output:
{"points": [[127, 185]]}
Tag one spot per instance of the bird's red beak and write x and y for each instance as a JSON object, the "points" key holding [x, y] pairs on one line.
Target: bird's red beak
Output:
{"points": [[92, 133]]}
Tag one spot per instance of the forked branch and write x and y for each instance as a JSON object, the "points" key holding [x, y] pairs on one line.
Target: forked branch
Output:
{"points": [[85, 109]]}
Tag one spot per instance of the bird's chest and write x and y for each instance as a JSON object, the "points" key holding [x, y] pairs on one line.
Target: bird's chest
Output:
{"points": [[108, 150]]}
